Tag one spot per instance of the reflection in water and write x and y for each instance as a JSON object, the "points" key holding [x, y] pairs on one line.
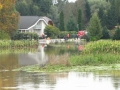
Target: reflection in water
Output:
{"points": [[34, 58], [58, 81], [11, 80]]}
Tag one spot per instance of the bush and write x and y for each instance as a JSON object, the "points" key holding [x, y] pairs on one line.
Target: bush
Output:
{"points": [[25, 36], [4, 35], [52, 31], [116, 36]]}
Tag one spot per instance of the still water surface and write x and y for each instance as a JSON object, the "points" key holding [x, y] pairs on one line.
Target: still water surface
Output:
{"points": [[11, 80]]}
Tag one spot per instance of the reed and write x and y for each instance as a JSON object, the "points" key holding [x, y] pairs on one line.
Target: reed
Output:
{"points": [[17, 43], [102, 46], [97, 53]]}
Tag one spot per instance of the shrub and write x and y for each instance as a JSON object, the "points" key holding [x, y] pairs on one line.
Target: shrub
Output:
{"points": [[52, 31], [25, 36], [4, 35], [116, 36]]}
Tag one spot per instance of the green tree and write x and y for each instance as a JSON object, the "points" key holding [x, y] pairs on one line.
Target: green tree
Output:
{"points": [[101, 15], [105, 33], [95, 27], [54, 15], [117, 10], [4, 35], [111, 18], [72, 25], [79, 19], [52, 31], [116, 36], [87, 10], [62, 26]]}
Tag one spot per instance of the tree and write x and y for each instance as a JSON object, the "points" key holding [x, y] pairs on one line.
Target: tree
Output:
{"points": [[116, 36], [8, 16], [95, 27], [101, 16], [87, 10], [62, 27], [52, 31], [117, 10], [33, 7], [79, 19], [54, 15], [71, 25], [105, 33], [111, 18]]}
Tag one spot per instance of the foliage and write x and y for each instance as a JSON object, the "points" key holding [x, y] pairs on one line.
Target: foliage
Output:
{"points": [[97, 53], [95, 28], [111, 18], [116, 36], [64, 33], [87, 10], [54, 15], [22, 36], [71, 25], [33, 7], [79, 19], [102, 46], [4, 35], [62, 26], [52, 31], [8, 16], [102, 16], [95, 59], [117, 10], [105, 33], [17, 43]]}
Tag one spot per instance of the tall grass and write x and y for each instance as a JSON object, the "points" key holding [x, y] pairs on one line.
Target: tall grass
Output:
{"points": [[103, 46], [17, 43], [97, 53]]}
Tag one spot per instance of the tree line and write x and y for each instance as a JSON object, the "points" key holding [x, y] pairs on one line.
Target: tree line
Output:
{"points": [[81, 15]]}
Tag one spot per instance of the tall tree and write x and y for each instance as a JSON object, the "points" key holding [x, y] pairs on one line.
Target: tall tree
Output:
{"points": [[71, 25], [79, 19], [88, 10], [8, 16], [117, 10], [54, 15], [102, 16], [111, 18], [33, 7], [62, 26], [95, 27]]}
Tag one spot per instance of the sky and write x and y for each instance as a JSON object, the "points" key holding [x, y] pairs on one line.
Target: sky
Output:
{"points": [[71, 0]]}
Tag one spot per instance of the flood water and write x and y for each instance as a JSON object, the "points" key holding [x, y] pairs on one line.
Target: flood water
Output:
{"points": [[19, 80]]}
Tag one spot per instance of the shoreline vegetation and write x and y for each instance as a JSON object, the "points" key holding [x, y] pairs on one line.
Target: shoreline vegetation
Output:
{"points": [[97, 55], [5, 44]]}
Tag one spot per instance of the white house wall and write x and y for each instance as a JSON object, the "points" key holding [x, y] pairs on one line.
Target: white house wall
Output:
{"points": [[41, 23]]}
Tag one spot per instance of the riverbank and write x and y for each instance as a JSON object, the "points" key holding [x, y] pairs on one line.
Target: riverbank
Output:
{"points": [[62, 68], [98, 55]]}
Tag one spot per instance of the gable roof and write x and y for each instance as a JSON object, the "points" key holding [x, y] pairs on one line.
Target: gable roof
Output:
{"points": [[26, 22]]}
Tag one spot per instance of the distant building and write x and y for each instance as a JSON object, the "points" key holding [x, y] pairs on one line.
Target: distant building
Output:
{"points": [[34, 24]]}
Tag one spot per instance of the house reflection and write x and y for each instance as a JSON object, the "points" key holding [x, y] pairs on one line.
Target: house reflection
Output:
{"points": [[33, 58]]}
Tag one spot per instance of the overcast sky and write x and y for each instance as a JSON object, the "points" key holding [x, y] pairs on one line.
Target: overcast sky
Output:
{"points": [[71, 0]]}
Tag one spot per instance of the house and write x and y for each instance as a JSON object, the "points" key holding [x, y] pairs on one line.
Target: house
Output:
{"points": [[34, 24]]}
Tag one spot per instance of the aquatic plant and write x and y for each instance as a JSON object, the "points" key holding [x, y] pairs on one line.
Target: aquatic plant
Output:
{"points": [[17, 43]]}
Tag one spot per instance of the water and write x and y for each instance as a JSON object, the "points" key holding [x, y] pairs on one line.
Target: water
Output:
{"points": [[12, 80]]}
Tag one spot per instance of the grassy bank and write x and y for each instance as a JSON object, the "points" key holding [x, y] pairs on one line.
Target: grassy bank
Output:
{"points": [[98, 55], [17, 43]]}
